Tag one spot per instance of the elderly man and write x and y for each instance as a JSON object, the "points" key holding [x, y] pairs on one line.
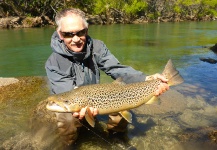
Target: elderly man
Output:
{"points": [[77, 60]]}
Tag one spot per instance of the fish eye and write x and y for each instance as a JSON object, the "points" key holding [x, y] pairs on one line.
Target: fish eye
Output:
{"points": [[67, 101]]}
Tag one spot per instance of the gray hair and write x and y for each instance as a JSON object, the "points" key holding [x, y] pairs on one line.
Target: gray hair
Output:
{"points": [[70, 11]]}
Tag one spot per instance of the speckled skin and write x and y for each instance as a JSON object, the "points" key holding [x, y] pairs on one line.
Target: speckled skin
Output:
{"points": [[114, 97], [109, 98]]}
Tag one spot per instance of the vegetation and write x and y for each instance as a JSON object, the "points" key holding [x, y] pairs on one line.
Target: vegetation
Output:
{"points": [[196, 8], [150, 10]]}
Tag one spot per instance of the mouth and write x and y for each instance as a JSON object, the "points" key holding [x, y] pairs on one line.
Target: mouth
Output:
{"points": [[52, 106], [79, 43]]}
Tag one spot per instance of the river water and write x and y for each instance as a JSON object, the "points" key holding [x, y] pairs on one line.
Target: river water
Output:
{"points": [[146, 47]]}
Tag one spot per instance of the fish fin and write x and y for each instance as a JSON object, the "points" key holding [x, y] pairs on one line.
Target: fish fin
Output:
{"points": [[154, 100], [119, 81], [89, 117], [172, 74], [104, 126], [126, 115]]}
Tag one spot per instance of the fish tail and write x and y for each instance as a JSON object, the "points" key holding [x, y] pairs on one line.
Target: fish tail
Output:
{"points": [[172, 74]]}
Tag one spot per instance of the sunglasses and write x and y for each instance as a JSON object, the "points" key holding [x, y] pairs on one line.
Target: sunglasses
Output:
{"points": [[72, 34]]}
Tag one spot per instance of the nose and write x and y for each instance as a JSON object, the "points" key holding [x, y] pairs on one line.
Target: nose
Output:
{"points": [[76, 39]]}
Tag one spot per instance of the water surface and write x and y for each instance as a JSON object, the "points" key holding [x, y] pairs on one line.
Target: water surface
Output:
{"points": [[187, 110]]}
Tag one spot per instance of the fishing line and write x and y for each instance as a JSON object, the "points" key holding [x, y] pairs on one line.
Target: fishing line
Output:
{"points": [[101, 136], [96, 134]]}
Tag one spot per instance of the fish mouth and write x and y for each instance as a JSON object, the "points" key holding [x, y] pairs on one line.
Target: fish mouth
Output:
{"points": [[53, 106]]}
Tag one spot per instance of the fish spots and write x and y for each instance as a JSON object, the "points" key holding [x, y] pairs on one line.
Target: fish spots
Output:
{"points": [[108, 98]]}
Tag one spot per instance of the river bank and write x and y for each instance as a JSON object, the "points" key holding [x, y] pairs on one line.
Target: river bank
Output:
{"points": [[113, 18], [41, 13]]}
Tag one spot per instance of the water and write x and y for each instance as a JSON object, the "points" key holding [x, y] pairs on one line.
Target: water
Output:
{"points": [[146, 47]]}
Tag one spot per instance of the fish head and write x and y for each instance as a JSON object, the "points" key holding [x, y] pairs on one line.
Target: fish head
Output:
{"points": [[59, 104]]}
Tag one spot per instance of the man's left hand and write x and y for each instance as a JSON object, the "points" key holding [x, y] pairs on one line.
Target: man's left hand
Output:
{"points": [[163, 87]]}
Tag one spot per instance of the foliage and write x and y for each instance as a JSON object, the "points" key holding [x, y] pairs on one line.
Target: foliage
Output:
{"points": [[30, 7], [135, 7], [196, 8], [151, 9], [209, 7], [188, 3], [186, 7], [129, 7], [101, 6]]}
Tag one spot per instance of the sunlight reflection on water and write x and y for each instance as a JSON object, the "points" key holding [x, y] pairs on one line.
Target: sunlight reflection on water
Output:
{"points": [[185, 118]]}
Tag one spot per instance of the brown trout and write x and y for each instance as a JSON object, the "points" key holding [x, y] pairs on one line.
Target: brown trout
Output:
{"points": [[112, 97]]}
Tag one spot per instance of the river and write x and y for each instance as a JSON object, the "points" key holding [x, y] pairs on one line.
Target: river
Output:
{"points": [[146, 47]]}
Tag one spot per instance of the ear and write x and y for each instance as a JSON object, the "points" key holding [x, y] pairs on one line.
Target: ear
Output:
{"points": [[60, 35]]}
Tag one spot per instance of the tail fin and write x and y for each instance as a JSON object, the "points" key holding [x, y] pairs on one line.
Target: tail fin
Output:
{"points": [[172, 74]]}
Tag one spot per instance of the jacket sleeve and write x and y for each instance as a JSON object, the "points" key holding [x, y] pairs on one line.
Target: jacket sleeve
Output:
{"points": [[60, 79], [108, 63]]}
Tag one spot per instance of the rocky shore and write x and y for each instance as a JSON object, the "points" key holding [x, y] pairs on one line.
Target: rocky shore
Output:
{"points": [[25, 22], [113, 18], [7, 81]]}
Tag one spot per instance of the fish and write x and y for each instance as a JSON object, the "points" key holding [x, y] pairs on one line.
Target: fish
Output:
{"points": [[115, 97]]}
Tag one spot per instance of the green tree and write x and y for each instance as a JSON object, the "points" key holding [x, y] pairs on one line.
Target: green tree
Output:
{"points": [[135, 7], [102, 6], [187, 7], [208, 7]]}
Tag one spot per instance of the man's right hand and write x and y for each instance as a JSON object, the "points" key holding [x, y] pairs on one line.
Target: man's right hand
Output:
{"points": [[163, 87], [82, 112], [80, 115]]}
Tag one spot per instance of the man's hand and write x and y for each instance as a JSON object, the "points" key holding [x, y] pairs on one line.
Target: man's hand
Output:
{"points": [[163, 87], [80, 115], [82, 112]]}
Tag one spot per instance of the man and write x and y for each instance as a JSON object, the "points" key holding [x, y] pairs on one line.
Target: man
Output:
{"points": [[76, 61]]}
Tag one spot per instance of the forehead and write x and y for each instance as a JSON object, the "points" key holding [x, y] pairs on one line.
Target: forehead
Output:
{"points": [[72, 23]]}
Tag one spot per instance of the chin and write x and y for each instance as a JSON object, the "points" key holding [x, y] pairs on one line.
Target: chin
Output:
{"points": [[77, 50]]}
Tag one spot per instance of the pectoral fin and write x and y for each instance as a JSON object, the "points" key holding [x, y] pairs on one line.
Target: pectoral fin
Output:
{"points": [[127, 115], [154, 100], [89, 117]]}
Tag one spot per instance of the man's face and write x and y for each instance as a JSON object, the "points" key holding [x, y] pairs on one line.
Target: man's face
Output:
{"points": [[73, 32]]}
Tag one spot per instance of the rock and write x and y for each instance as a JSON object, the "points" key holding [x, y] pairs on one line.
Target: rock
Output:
{"points": [[7, 81], [36, 22], [10, 22], [209, 60], [25, 22], [214, 48]]}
